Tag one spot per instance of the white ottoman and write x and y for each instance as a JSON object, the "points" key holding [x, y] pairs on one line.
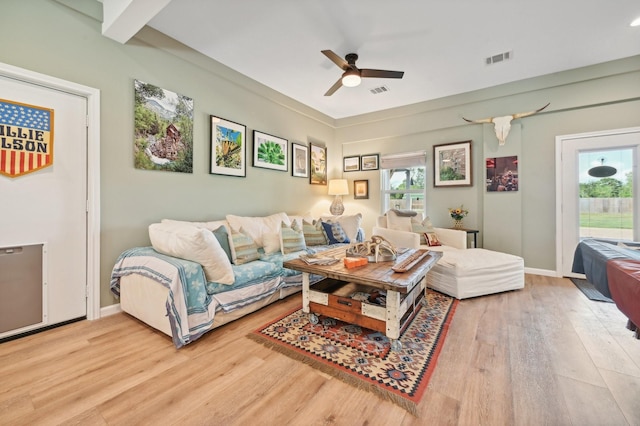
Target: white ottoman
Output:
{"points": [[476, 272]]}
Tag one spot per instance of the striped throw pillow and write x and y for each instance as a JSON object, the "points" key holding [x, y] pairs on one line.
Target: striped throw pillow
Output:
{"points": [[291, 238], [243, 248], [313, 233]]}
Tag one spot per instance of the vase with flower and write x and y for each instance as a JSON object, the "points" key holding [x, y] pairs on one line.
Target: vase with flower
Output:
{"points": [[458, 214]]}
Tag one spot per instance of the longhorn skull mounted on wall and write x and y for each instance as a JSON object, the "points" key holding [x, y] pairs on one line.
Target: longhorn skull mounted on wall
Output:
{"points": [[502, 124]]}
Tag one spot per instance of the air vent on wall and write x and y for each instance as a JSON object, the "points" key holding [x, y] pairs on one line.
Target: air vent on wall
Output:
{"points": [[500, 57], [378, 90]]}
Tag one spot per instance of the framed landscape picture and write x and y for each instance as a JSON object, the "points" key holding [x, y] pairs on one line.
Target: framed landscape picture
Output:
{"points": [[360, 189], [351, 164], [270, 152], [317, 164], [299, 160], [369, 162], [228, 148], [163, 129], [452, 164]]}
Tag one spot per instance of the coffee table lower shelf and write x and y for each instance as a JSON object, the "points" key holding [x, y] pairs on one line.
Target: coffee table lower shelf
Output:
{"points": [[332, 298]]}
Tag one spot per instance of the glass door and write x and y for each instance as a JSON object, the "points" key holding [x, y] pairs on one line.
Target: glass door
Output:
{"points": [[601, 204], [606, 194]]}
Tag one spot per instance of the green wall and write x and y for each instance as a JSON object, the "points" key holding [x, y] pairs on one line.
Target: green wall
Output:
{"points": [[601, 97], [66, 42], [53, 39]]}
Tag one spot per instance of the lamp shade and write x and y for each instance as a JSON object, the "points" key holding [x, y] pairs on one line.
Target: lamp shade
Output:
{"points": [[338, 187]]}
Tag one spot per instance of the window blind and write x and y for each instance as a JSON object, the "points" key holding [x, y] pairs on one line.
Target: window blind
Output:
{"points": [[404, 160]]}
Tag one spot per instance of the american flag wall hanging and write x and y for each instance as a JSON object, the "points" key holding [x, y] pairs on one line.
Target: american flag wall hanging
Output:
{"points": [[26, 138]]}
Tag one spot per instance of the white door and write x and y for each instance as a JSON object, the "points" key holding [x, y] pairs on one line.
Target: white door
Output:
{"points": [[572, 151], [49, 206]]}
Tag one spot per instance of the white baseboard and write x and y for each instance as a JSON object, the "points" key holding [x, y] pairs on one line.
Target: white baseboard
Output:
{"points": [[544, 272], [110, 310]]}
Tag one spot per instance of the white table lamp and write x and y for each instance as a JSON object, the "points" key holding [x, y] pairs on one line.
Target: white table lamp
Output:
{"points": [[338, 187]]}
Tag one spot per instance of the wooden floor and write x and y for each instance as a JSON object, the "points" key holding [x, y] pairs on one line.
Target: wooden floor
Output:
{"points": [[545, 355]]}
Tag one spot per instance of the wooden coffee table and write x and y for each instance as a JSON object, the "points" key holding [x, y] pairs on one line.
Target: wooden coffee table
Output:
{"points": [[332, 296]]}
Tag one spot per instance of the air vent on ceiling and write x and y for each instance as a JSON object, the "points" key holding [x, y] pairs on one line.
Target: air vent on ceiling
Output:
{"points": [[378, 90], [500, 57]]}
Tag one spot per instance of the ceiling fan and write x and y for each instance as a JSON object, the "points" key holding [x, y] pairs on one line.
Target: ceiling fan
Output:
{"points": [[353, 75]]}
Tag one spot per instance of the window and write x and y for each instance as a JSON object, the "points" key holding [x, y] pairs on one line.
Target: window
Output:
{"points": [[403, 182]]}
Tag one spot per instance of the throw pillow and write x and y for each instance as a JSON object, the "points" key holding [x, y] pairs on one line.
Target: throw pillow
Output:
{"points": [[422, 227], [432, 239], [351, 224], [271, 242], [398, 222], [291, 238], [334, 233], [313, 233], [194, 244], [243, 248], [222, 236]]}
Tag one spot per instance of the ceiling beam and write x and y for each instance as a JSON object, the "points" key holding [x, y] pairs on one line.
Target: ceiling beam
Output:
{"points": [[122, 19]]}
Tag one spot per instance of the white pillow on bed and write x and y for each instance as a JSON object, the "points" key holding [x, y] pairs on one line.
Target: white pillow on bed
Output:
{"points": [[194, 244]]}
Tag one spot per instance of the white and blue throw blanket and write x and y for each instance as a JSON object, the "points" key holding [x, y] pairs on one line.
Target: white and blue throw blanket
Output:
{"points": [[193, 302]]}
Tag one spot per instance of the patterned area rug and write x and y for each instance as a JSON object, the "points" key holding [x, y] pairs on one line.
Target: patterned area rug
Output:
{"points": [[362, 357]]}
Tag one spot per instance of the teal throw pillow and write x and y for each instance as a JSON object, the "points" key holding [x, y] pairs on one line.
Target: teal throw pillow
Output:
{"points": [[222, 236]]}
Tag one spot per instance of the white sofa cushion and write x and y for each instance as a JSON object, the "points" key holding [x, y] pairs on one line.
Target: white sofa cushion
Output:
{"points": [[255, 227], [189, 242], [398, 222]]}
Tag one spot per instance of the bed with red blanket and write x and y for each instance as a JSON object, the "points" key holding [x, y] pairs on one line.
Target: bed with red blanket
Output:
{"points": [[614, 269]]}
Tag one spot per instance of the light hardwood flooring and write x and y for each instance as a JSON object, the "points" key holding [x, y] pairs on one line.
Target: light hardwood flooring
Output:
{"points": [[545, 355]]}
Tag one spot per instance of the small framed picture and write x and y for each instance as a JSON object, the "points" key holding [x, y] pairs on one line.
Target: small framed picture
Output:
{"points": [[228, 147], [452, 164], [317, 164], [361, 189], [270, 152], [299, 160], [351, 164], [369, 162]]}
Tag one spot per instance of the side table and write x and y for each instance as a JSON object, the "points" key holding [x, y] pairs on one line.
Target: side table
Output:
{"points": [[470, 231]]}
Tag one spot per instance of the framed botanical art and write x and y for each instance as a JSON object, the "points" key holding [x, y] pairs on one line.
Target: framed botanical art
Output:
{"points": [[361, 189], [351, 164], [452, 164], [270, 152], [228, 148], [317, 164], [369, 162], [299, 160]]}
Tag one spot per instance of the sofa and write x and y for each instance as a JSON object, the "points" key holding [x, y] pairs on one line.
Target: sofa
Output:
{"points": [[461, 272], [197, 276]]}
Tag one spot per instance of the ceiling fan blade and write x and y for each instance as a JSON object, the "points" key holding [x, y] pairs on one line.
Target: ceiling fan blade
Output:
{"points": [[336, 86], [368, 73], [336, 59]]}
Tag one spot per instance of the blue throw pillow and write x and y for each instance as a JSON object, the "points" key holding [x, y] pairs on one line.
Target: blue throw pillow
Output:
{"points": [[334, 233], [222, 236]]}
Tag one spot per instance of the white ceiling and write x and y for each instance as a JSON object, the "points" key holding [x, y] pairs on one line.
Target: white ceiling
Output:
{"points": [[441, 45]]}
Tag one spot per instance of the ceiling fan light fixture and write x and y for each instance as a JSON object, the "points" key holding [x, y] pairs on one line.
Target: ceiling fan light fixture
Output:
{"points": [[351, 78]]}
